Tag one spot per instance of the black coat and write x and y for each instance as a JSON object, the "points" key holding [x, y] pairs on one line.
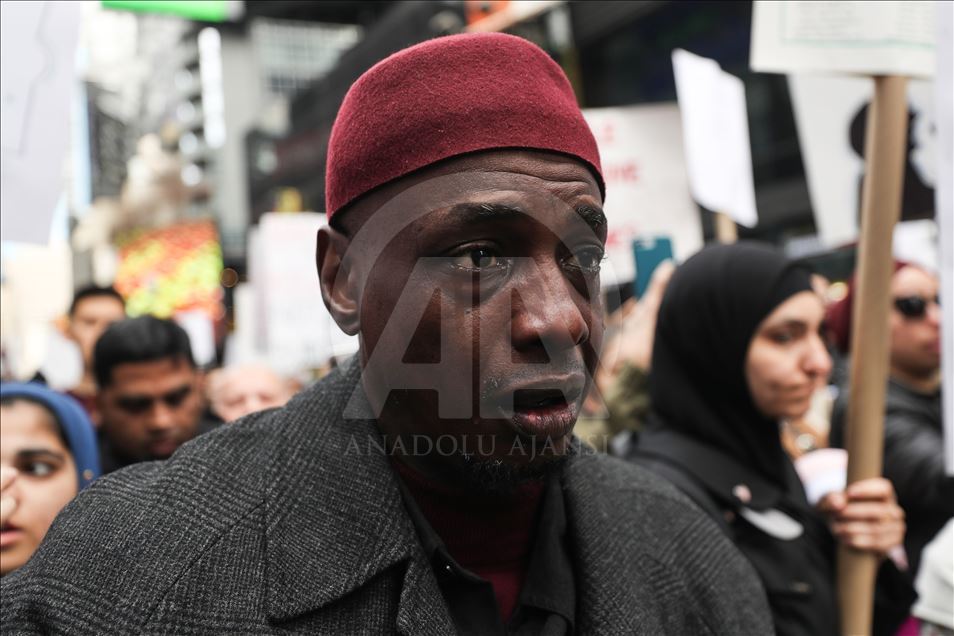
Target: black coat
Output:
{"points": [[291, 521], [798, 574]]}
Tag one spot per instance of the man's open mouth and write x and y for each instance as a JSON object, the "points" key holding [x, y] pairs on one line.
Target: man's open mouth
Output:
{"points": [[533, 399], [545, 413]]}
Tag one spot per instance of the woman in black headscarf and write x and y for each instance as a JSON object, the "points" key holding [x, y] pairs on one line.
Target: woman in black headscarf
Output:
{"points": [[738, 350]]}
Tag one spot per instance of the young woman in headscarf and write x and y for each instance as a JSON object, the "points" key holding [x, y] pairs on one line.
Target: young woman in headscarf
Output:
{"points": [[47, 455], [737, 351]]}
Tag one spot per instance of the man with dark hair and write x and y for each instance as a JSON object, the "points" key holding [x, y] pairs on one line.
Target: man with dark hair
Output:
{"points": [[93, 309], [430, 485], [149, 399]]}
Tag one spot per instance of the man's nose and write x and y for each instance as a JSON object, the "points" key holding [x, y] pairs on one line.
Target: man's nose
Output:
{"points": [[546, 311], [933, 315], [161, 417]]}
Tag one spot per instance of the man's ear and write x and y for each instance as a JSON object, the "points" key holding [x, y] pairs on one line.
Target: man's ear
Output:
{"points": [[338, 284]]}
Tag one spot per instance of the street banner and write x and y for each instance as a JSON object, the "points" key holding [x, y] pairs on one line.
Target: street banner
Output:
{"points": [[299, 332], [716, 135], [842, 36], [38, 58], [171, 270], [646, 183]]}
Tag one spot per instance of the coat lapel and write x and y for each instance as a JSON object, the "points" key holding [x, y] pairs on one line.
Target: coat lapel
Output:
{"points": [[334, 516], [602, 587]]}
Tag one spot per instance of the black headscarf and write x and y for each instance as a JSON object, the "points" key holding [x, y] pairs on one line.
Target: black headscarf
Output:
{"points": [[709, 314]]}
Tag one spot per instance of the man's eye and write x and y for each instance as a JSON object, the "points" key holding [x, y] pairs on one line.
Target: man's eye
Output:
{"points": [[587, 259], [475, 258], [134, 405], [176, 398]]}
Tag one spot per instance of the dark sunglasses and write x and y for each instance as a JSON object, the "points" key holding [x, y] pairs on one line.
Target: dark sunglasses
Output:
{"points": [[136, 405], [914, 306]]}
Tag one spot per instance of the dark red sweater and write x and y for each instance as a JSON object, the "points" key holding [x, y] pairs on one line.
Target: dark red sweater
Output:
{"points": [[489, 536]]}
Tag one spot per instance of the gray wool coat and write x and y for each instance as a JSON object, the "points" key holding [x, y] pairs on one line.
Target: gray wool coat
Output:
{"points": [[290, 521]]}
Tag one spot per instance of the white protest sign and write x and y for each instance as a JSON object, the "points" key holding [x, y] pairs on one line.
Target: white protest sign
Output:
{"points": [[716, 133], [38, 56], [647, 192], [944, 96], [842, 36], [201, 335], [300, 333], [830, 114]]}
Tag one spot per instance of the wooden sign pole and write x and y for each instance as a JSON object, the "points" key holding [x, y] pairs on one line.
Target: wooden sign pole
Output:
{"points": [[725, 228], [880, 208]]}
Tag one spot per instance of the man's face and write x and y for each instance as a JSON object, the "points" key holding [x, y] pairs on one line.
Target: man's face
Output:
{"points": [[89, 320], [237, 392], [480, 318], [915, 338], [150, 408]]}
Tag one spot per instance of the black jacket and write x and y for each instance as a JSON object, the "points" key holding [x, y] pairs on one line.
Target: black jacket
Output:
{"points": [[913, 461], [291, 521], [798, 573]]}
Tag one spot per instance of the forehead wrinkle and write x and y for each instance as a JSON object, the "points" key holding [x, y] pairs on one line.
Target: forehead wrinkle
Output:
{"points": [[564, 186], [465, 213]]}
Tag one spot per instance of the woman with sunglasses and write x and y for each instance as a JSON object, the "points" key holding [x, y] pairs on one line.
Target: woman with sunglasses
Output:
{"points": [[913, 442], [47, 455], [737, 351]]}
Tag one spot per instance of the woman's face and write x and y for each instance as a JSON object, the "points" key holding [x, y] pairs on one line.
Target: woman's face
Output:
{"points": [[787, 360], [46, 479]]}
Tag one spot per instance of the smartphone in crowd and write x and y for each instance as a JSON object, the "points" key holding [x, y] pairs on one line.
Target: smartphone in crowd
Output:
{"points": [[648, 253]]}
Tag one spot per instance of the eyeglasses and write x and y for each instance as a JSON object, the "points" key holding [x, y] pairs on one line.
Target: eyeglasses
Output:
{"points": [[136, 405], [914, 307]]}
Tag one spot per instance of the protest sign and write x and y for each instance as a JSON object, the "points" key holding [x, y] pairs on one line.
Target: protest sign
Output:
{"points": [[830, 113], [299, 332], [716, 136], [647, 189], [844, 36], [38, 57]]}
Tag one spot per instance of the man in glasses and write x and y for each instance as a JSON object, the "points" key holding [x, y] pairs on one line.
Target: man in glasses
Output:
{"points": [[916, 330], [149, 399], [913, 431], [913, 445]]}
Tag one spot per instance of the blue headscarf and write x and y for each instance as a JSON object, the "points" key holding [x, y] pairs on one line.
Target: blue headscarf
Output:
{"points": [[72, 420]]}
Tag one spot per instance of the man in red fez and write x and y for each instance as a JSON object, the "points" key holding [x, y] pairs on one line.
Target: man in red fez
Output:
{"points": [[431, 485]]}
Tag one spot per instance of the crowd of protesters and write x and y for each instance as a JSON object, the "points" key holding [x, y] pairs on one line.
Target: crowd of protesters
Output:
{"points": [[139, 398], [703, 522]]}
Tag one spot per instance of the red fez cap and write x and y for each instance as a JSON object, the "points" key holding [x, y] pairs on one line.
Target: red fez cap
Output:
{"points": [[448, 97]]}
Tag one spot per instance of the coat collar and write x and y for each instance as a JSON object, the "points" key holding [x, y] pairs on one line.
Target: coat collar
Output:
{"points": [[335, 520], [334, 514]]}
